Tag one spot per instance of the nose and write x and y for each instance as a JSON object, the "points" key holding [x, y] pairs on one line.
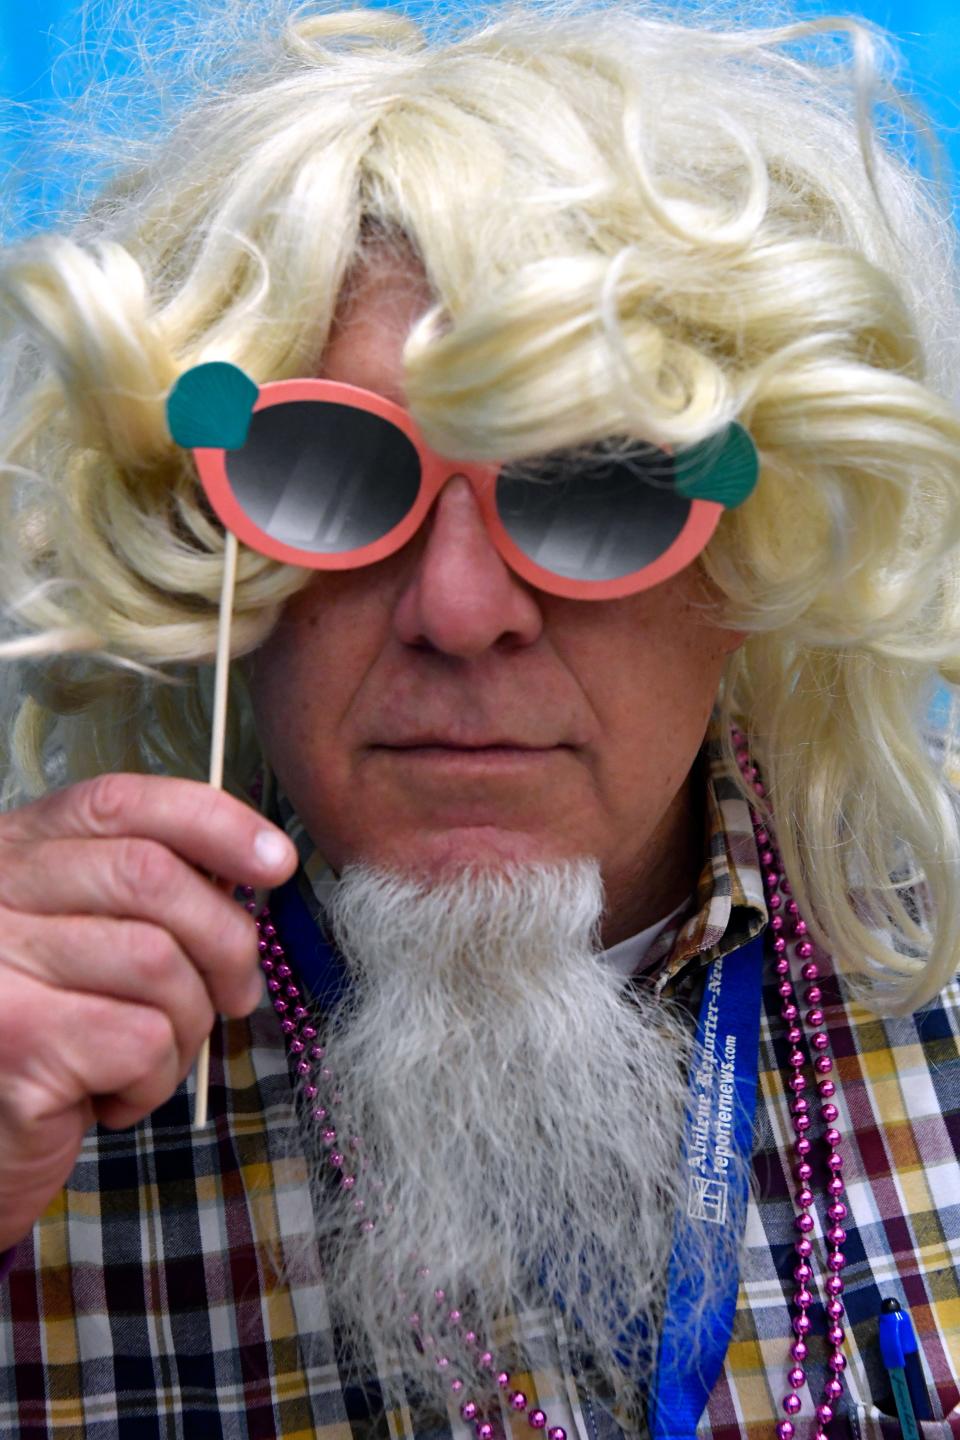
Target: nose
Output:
{"points": [[461, 597]]}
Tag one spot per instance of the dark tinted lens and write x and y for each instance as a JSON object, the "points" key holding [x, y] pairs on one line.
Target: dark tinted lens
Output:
{"points": [[324, 477], [595, 520]]}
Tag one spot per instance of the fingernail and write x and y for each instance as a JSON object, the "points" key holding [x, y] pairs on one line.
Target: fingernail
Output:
{"points": [[272, 849]]}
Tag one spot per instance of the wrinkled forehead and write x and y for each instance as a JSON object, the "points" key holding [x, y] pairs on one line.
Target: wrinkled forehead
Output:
{"points": [[385, 293]]}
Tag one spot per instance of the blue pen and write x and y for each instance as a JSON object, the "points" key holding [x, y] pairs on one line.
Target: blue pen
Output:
{"points": [[901, 1356]]}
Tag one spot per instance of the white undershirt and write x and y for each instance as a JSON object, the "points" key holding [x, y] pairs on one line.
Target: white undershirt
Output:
{"points": [[628, 955]]}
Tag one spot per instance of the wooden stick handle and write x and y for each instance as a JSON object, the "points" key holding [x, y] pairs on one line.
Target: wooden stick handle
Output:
{"points": [[217, 744]]}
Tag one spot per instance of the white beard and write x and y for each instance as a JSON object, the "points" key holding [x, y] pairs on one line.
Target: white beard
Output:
{"points": [[514, 1102]]}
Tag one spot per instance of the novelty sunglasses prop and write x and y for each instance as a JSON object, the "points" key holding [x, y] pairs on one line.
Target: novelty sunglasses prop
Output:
{"points": [[329, 476]]}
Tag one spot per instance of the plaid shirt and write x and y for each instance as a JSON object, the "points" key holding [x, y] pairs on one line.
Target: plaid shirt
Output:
{"points": [[150, 1299]]}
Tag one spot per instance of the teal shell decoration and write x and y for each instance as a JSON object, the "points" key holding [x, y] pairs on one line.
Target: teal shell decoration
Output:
{"points": [[210, 407], [723, 468]]}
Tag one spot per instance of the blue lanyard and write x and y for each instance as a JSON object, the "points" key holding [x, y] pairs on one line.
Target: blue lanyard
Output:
{"points": [[717, 1148], [321, 969]]}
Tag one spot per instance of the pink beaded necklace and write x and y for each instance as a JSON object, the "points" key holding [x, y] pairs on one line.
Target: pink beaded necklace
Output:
{"points": [[307, 1056]]}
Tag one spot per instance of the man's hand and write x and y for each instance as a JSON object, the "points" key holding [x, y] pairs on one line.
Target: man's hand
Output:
{"points": [[116, 953]]}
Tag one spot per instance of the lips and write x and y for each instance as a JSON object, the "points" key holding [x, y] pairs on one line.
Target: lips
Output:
{"points": [[447, 742]]}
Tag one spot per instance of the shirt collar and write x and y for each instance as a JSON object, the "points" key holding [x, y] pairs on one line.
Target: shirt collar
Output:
{"points": [[729, 907]]}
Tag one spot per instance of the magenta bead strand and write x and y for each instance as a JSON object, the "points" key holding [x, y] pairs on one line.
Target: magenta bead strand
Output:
{"points": [[774, 878], [301, 1037]]}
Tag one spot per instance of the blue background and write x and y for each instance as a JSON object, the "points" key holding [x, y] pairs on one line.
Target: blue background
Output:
{"points": [[38, 63]]}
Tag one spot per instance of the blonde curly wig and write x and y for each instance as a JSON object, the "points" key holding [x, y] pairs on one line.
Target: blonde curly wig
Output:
{"points": [[634, 221]]}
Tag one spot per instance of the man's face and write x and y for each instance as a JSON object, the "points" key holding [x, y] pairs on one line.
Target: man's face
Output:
{"points": [[434, 709]]}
